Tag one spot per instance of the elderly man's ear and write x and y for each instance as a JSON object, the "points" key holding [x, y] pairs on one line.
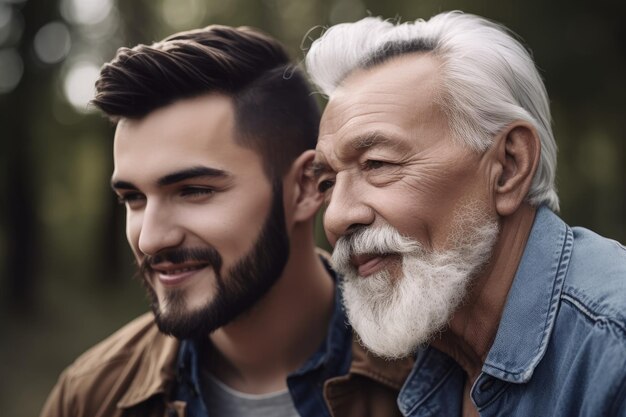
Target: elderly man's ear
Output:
{"points": [[305, 199], [517, 151]]}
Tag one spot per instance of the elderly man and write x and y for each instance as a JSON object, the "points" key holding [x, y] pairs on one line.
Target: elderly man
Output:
{"points": [[437, 162]]}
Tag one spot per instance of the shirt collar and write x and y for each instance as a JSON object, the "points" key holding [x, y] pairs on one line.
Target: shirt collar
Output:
{"points": [[532, 303], [391, 373]]}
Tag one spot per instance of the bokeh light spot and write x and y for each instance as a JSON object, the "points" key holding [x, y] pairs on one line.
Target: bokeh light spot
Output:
{"points": [[79, 85], [52, 42], [86, 12]]}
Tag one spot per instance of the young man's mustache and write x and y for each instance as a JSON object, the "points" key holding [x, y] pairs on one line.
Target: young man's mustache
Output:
{"points": [[207, 255]]}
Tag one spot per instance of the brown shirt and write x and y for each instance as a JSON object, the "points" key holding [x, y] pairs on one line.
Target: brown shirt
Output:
{"points": [[132, 373]]}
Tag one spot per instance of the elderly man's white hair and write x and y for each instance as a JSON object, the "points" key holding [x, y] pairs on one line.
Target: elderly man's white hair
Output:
{"points": [[488, 78]]}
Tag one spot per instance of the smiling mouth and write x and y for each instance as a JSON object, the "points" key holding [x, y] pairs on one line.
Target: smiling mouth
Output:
{"points": [[182, 270], [175, 274], [369, 264]]}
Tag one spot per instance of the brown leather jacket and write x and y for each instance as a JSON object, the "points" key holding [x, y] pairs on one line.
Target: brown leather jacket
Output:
{"points": [[132, 372], [369, 389]]}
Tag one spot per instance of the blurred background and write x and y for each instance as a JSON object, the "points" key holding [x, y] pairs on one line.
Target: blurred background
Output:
{"points": [[66, 272]]}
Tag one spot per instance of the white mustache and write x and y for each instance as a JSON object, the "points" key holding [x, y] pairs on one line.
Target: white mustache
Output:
{"points": [[371, 240]]}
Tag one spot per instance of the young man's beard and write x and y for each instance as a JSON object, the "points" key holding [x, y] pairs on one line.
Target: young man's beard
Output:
{"points": [[393, 316], [243, 285]]}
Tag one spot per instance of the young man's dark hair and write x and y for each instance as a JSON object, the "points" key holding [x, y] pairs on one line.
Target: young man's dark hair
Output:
{"points": [[276, 114]]}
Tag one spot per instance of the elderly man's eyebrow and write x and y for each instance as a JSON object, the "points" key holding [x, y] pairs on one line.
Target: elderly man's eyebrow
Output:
{"points": [[363, 142], [318, 168]]}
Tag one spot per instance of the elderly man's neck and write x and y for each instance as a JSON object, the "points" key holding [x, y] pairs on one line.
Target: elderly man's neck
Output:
{"points": [[474, 326]]}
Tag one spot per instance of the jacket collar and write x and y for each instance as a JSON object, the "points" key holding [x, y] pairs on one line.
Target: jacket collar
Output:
{"points": [[532, 302], [391, 373], [525, 327], [155, 363]]}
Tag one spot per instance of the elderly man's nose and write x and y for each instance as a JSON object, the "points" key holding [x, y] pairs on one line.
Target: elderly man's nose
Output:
{"points": [[346, 210]]}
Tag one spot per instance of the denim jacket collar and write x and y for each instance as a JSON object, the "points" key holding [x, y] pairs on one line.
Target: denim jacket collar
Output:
{"points": [[522, 336], [532, 303], [432, 370]]}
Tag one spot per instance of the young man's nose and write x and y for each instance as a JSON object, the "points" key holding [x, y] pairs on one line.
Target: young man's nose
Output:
{"points": [[158, 230]]}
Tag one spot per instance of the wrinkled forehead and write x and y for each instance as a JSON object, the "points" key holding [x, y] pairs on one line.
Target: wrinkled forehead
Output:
{"points": [[385, 100]]}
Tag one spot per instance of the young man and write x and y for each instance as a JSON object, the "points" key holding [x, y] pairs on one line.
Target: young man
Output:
{"points": [[214, 138], [437, 159]]}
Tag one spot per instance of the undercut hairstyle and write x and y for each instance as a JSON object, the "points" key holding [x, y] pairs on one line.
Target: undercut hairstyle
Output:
{"points": [[487, 78], [275, 112]]}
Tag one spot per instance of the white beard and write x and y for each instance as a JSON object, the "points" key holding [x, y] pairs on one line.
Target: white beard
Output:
{"points": [[394, 316]]}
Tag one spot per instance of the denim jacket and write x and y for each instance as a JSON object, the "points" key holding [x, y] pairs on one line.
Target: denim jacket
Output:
{"points": [[560, 348]]}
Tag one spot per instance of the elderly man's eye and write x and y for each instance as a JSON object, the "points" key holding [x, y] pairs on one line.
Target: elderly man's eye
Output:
{"points": [[373, 164], [325, 185]]}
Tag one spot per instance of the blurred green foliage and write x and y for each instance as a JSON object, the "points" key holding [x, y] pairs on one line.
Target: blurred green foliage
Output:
{"points": [[66, 270]]}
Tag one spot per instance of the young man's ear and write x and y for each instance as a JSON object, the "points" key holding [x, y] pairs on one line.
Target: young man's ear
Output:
{"points": [[306, 200], [518, 150]]}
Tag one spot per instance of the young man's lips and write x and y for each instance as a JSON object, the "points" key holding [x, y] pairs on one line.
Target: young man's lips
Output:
{"points": [[174, 274]]}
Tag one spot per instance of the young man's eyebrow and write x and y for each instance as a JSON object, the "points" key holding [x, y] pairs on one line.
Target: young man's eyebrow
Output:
{"points": [[174, 177], [190, 173], [122, 185]]}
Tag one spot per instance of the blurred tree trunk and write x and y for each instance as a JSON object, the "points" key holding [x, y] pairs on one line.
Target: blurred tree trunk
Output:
{"points": [[114, 265], [22, 232], [21, 189]]}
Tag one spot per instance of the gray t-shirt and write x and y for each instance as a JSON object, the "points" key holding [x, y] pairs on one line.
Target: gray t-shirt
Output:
{"points": [[223, 401]]}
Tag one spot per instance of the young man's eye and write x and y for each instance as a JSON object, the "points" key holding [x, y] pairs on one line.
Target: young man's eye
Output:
{"points": [[130, 198], [197, 191]]}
